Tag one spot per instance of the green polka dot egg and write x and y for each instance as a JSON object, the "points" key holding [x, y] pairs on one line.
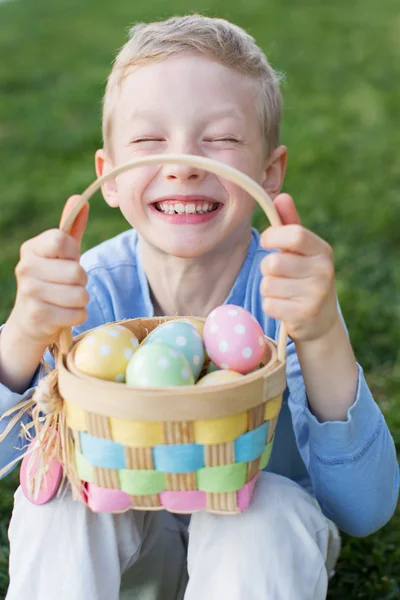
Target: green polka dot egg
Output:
{"points": [[106, 351], [158, 365], [183, 337]]}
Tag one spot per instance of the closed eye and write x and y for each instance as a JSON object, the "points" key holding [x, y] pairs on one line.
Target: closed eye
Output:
{"points": [[223, 139], [139, 140]]}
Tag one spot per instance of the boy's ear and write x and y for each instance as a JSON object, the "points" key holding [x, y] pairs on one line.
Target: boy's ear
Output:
{"points": [[274, 171], [110, 188]]}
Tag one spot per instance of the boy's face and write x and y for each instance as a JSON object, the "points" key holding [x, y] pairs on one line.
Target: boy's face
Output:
{"points": [[192, 105]]}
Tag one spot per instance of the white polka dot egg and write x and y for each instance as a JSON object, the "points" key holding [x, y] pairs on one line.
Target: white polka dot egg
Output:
{"points": [[183, 337], [218, 377], [158, 365], [234, 339], [106, 351]]}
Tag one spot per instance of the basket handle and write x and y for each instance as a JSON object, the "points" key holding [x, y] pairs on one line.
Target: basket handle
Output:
{"points": [[231, 174]]}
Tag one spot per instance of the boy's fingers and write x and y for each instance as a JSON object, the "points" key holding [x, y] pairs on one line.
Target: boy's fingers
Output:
{"points": [[79, 226], [285, 264], [287, 210], [52, 243], [67, 272], [294, 238]]}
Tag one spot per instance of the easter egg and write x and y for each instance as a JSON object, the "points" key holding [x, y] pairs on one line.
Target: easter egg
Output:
{"points": [[106, 351], [51, 480], [183, 337], [211, 367], [217, 377], [234, 339], [158, 365], [198, 324]]}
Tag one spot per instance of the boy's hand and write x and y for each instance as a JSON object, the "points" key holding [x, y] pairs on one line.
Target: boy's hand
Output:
{"points": [[51, 283], [298, 283]]}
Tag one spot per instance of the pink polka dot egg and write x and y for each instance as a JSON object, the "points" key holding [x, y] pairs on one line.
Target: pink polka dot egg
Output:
{"points": [[234, 339]]}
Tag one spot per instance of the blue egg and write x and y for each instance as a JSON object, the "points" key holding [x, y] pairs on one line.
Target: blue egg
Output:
{"points": [[184, 338]]}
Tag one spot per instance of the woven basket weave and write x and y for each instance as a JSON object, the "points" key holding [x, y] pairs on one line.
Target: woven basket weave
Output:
{"points": [[179, 449]]}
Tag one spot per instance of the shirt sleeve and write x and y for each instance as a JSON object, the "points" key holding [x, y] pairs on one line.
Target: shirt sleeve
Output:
{"points": [[352, 464], [14, 444]]}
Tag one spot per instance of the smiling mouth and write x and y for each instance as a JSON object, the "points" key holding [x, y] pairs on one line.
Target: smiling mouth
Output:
{"points": [[170, 207]]}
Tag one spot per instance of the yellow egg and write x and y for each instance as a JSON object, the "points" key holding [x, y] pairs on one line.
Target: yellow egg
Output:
{"points": [[106, 351], [218, 377]]}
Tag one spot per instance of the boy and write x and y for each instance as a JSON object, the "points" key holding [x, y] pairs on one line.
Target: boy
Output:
{"points": [[201, 86]]}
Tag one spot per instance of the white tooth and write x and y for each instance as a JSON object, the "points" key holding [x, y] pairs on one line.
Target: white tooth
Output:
{"points": [[179, 208], [205, 206], [190, 208], [198, 208]]}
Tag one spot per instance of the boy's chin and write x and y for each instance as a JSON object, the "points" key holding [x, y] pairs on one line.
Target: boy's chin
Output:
{"points": [[191, 252]]}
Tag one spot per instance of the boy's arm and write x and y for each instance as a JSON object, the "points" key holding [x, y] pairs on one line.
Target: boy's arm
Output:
{"points": [[340, 431], [330, 373], [352, 463]]}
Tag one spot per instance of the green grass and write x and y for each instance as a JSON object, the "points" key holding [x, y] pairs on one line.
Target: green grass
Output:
{"points": [[341, 124]]}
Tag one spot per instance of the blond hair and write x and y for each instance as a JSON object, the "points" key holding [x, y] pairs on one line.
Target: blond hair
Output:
{"points": [[217, 39]]}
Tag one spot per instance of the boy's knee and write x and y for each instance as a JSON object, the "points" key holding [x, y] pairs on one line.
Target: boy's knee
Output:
{"points": [[278, 504]]}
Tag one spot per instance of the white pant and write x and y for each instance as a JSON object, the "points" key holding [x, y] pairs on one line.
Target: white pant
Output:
{"points": [[281, 548]]}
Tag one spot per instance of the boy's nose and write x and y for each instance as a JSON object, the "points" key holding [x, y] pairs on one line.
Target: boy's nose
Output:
{"points": [[183, 173]]}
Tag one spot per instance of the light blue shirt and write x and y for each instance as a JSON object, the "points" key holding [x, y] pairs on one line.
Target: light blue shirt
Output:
{"points": [[350, 467]]}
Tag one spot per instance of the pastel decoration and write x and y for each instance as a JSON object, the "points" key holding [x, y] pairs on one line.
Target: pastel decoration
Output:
{"points": [[51, 480], [100, 452], [219, 377], [272, 407], [158, 365], [178, 458], [264, 460], [198, 324], [107, 500], [250, 445], [212, 367], [75, 416], [84, 469], [234, 339], [106, 351], [224, 478], [184, 338], [141, 482], [137, 434], [220, 430], [185, 501], [245, 494]]}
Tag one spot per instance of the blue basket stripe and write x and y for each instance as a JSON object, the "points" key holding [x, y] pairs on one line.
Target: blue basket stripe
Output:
{"points": [[102, 453], [178, 458], [250, 445]]}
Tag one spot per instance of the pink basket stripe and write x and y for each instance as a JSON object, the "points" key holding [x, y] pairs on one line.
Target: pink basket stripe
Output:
{"points": [[107, 500], [184, 501], [245, 494]]}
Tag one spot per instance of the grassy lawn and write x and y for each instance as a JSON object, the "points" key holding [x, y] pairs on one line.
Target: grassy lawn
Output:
{"points": [[341, 124]]}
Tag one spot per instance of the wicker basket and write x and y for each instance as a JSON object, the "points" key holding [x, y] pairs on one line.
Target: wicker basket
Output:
{"points": [[182, 449]]}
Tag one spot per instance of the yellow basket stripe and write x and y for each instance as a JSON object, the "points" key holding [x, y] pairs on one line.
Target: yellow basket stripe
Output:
{"points": [[75, 417], [272, 408], [139, 434], [221, 430]]}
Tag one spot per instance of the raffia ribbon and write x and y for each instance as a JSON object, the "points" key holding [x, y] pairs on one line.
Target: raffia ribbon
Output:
{"points": [[53, 438]]}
